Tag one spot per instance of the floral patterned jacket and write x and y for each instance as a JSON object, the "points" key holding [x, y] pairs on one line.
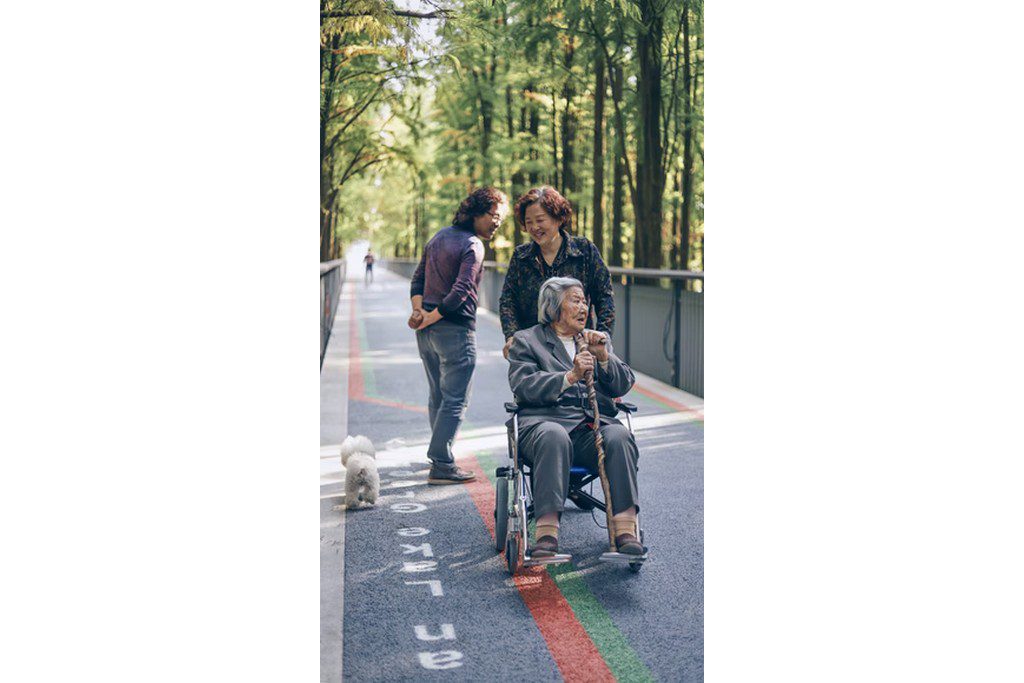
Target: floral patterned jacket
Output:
{"points": [[527, 271]]}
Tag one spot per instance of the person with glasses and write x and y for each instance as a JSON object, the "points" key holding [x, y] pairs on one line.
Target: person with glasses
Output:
{"points": [[444, 294]]}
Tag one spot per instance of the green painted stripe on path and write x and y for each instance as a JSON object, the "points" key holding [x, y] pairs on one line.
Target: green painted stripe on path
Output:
{"points": [[369, 381], [641, 399], [623, 661]]}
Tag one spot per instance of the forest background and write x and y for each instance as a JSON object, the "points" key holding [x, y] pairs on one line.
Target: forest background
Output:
{"points": [[602, 99]]}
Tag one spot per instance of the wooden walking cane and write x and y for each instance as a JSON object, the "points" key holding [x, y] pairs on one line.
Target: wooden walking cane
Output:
{"points": [[581, 345]]}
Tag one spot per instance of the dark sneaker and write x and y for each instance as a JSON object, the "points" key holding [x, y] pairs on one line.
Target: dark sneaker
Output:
{"points": [[628, 544], [546, 546], [451, 475]]}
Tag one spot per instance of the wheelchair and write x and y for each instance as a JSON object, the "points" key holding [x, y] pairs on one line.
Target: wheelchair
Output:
{"points": [[513, 506]]}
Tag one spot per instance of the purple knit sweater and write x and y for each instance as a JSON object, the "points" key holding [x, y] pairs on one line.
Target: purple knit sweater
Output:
{"points": [[449, 273]]}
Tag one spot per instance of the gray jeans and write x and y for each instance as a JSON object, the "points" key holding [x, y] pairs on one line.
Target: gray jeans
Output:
{"points": [[448, 352], [551, 450]]}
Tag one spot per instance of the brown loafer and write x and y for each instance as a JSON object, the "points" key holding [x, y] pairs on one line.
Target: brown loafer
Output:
{"points": [[628, 544], [546, 546], [448, 475]]}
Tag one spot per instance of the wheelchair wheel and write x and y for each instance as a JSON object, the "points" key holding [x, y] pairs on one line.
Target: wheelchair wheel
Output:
{"points": [[500, 512], [512, 554]]}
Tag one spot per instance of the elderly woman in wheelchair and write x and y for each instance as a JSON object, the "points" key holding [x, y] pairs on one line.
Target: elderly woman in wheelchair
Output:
{"points": [[551, 431]]}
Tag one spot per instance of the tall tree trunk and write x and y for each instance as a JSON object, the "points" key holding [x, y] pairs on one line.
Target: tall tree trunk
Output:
{"points": [[327, 223], [677, 255], [615, 77], [517, 160], [535, 138], [486, 126], [618, 185], [687, 171], [569, 124], [554, 138], [421, 225], [415, 227], [650, 185], [325, 235], [326, 159], [598, 211]]}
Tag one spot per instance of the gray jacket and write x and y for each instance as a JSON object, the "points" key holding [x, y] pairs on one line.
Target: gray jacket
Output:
{"points": [[538, 363]]}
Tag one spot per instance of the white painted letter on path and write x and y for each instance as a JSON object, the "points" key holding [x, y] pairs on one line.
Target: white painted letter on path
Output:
{"points": [[447, 632], [408, 507], [435, 586], [421, 548], [445, 659], [422, 566]]}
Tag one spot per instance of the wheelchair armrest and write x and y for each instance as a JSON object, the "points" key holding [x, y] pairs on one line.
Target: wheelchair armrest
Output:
{"points": [[628, 407], [511, 407]]}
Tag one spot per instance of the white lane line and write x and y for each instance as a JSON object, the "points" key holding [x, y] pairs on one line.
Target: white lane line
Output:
{"points": [[648, 450], [491, 438]]}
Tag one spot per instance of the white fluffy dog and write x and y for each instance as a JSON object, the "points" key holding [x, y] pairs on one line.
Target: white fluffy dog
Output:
{"points": [[362, 483]]}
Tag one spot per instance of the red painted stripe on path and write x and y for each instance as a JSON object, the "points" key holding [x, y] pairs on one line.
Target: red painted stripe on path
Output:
{"points": [[392, 404], [576, 655], [356, 383], [675, 405]]}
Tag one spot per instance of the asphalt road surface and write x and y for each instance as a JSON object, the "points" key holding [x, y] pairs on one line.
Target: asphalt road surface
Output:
{"points": [[413, 590]]}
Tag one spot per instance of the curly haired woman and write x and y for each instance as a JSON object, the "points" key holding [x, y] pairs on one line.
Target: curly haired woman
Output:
{"points": [[552, 252], [444, 295]]}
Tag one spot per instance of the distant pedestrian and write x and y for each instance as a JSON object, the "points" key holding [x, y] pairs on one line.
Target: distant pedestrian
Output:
{"points": [[444, 295], [368, 260]]}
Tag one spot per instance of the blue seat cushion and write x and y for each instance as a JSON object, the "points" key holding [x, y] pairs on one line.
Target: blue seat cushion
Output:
{"points": [[575, 471]]}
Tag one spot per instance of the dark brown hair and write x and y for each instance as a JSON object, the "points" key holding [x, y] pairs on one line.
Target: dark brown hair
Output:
{"points": [[553, 203], [479, 202]]}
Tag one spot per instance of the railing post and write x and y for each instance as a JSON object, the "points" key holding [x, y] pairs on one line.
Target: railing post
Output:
{"points": [[626, 355], [677, 375]]}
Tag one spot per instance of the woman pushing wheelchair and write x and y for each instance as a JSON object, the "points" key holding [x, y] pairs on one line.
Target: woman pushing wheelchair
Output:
{"points": [[546, 375]]}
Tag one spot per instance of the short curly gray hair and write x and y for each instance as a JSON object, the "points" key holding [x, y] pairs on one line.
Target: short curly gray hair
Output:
{"points": [[552, 294]]}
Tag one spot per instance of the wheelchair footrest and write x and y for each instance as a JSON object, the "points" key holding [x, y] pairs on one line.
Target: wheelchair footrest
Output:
{"points": [[558, 558], [623, 557]]}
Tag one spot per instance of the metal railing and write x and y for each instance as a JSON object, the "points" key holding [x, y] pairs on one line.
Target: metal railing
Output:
{"points": [[332, 275], [646, 296], [659, 327]]}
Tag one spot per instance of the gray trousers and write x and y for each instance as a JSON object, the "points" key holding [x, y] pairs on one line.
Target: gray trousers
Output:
{"points": [[550, 450], [448, 352]]}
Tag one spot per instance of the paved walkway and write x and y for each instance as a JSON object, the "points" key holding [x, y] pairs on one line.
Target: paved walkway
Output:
{"points": [[413, 589]]}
